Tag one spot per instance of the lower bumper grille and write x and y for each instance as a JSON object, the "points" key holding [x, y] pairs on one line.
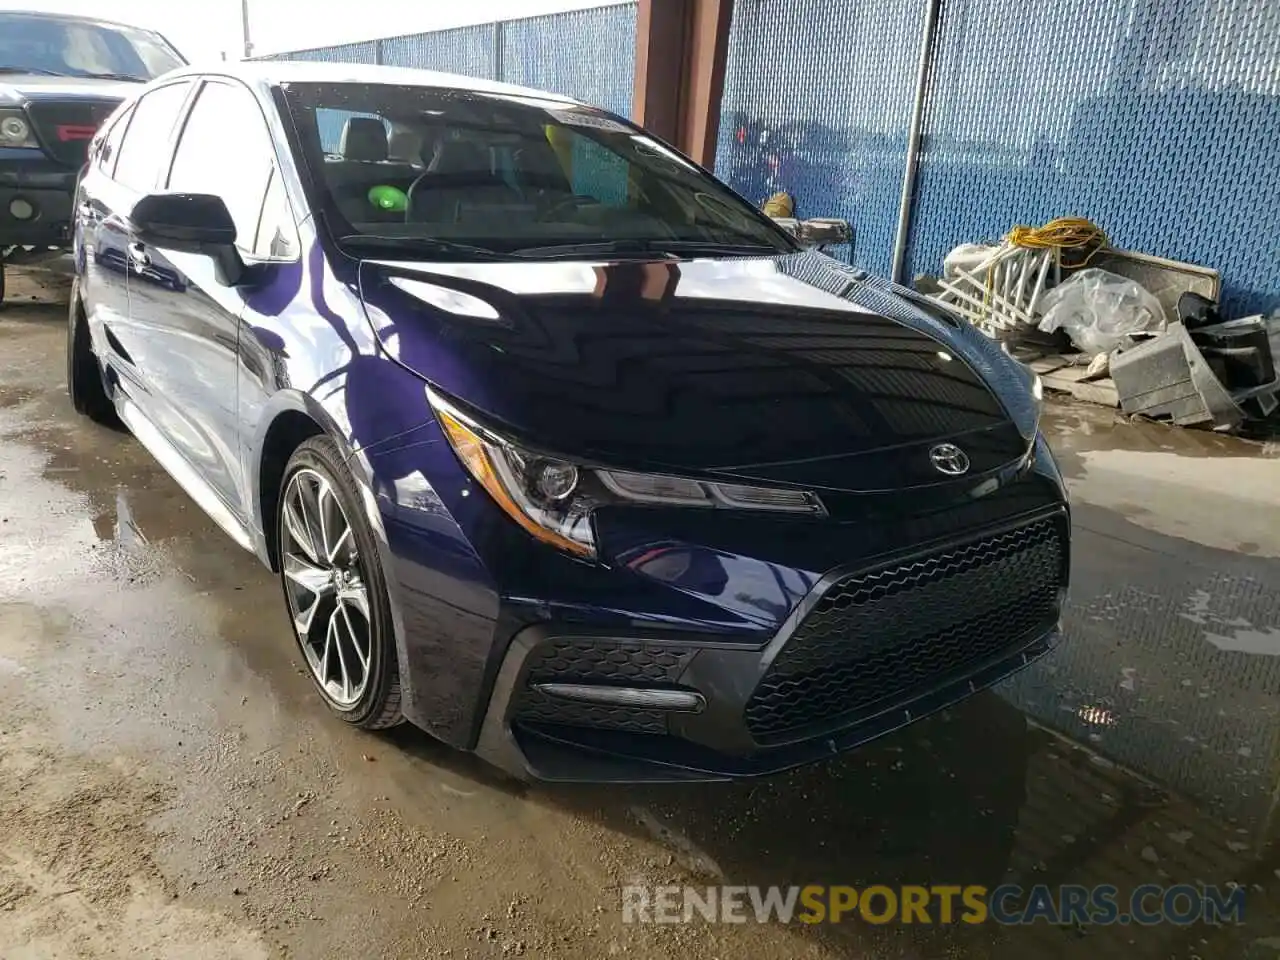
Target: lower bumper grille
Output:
{"points": [[882, 637], [595, 661]]}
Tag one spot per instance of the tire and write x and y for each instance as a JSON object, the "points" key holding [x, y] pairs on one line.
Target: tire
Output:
{"points": [[84, 375], [334, 660]]}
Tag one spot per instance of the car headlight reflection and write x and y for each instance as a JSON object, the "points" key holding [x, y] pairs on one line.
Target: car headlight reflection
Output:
{"points": [[553, 498]]}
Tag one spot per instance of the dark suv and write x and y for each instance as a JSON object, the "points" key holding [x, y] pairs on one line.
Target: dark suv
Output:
{"points": [[60, 77]]}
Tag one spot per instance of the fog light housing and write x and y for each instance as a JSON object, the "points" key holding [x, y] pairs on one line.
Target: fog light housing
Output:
{"points": [[643, 698], [21, 209]]}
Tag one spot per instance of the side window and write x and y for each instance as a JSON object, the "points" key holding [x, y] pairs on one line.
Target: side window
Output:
{"points": [[146, 141], [330, 123], [226, 150], [111, 145]]}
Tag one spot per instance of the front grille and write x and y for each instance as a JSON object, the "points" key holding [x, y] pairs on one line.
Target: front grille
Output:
{"points": [[880, 638], [65, 129], [623, 663]]}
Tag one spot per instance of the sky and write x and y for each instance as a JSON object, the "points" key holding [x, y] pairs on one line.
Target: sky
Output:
{"points": [[208, 29]]}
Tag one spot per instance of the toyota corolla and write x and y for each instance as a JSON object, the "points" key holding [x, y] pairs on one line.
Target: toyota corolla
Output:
{"points": [[560, 449]]}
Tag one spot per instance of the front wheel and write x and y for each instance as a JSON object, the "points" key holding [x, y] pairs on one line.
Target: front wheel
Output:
{"points": [[335, 589], [84, 375]]}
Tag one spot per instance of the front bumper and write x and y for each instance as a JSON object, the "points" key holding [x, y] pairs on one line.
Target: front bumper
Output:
{"points": [[869, 650], [48, 189]]}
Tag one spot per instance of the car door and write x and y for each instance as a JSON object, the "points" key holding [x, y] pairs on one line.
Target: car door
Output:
{"points": [[99, 238], [131, 172], [190, 318]]}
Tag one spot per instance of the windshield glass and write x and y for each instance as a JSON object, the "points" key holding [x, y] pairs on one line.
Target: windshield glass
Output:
{"points": [[79, 48], [407, 167]]}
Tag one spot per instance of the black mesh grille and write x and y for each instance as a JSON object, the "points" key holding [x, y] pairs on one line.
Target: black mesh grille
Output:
{"points": [[65, 129], [537, 707], [885, 636], [599, 661]]}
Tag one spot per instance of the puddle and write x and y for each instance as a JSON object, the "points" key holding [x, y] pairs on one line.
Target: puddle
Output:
{"points": [[1235, 634]]}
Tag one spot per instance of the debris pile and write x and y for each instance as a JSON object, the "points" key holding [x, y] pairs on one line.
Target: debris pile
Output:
{"points": [[1116, 327]]}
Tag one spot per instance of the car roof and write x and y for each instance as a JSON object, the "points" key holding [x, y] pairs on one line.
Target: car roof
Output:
{"points": [[277, 72]]}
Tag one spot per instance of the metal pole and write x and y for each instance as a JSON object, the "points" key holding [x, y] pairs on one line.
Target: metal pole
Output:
{"points": [[499, 67], [913, 138], [244, 22]]}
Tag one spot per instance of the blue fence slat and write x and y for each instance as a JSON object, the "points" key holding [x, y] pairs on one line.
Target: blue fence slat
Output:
{"points": [[1159, 121], [365, 51], [817, 99], [464, 50], [586, 54]]}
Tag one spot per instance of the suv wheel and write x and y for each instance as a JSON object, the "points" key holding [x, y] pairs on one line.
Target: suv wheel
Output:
{"points": [[334, 588]]}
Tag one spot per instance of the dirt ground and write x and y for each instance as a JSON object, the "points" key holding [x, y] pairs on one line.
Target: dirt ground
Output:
{"points": [[171, 788]]}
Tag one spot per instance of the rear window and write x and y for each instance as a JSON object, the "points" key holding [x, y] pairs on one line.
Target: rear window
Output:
{"points": [[30, 43], [505, 173]]}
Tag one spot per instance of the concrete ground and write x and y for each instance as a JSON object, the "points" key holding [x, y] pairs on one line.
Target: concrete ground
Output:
{"points": [[170, 786]]}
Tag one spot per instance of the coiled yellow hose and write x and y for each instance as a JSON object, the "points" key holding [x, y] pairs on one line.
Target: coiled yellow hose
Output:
{"points": [[1059, 234], [1062, 233]]}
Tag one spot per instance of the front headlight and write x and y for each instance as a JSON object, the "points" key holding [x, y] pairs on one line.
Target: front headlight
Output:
{"points": [[15, 129], [553, 498]]}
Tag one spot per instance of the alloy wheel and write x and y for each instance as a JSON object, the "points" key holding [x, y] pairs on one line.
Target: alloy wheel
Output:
{"points": [[326, 587]]}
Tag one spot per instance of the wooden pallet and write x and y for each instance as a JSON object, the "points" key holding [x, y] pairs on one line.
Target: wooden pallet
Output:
{"points": [[1063, 374]]}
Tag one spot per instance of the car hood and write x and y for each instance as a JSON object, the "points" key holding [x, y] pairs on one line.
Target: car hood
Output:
{"points": [[33, 88], [790, 369]]}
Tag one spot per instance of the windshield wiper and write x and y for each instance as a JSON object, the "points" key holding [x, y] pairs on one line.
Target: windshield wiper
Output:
{"points": [[422, 245], [127, 77], [670, 248], [77, 75], [39, 71]]}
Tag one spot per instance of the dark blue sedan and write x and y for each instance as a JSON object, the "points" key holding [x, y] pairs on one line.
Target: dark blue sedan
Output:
{"points": [[562, 451]]}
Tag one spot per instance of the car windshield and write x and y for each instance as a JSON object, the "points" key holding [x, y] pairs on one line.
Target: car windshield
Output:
{"points": [[403, 168], [30, 43]]}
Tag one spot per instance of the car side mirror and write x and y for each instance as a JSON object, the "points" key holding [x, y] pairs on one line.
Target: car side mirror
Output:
{"points": [[817, 231], [191, 223], [825, 231]]}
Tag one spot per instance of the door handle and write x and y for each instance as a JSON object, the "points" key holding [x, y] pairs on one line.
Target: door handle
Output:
{"points": [[138, 254]]}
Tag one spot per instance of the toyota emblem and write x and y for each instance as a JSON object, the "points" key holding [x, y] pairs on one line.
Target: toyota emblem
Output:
{"points": [[949, 459]]}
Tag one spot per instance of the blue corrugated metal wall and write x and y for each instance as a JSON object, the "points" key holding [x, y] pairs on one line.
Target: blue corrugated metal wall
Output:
{"points": [[816, 102], [586, 54], [589, 54], [465, 50], [1158, 120]]}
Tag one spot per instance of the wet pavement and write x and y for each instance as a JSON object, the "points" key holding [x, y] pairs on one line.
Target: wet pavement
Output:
{"points": [[170, 787]]}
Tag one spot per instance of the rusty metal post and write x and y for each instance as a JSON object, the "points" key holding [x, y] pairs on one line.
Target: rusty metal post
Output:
{"points": [[681, 50]]}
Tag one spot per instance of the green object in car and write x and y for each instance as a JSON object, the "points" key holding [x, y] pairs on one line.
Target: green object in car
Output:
{"points": [[388, 198]]}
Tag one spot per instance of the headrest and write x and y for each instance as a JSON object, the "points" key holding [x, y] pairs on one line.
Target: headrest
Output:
{"points": [[403, 145], [364, 138]]}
